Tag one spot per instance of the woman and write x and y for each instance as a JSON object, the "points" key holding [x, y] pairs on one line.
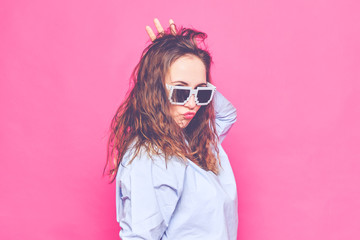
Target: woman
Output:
{"points": [[173, 178]]}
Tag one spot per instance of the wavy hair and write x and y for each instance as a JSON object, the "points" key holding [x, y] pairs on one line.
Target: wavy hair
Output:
{"points": [[144, 117]]}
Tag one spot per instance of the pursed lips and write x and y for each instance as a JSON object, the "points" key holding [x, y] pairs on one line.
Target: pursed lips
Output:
{"points": [[189, 115]]}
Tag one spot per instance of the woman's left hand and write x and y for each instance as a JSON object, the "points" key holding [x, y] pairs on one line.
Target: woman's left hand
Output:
{"points": [[160, 29]]}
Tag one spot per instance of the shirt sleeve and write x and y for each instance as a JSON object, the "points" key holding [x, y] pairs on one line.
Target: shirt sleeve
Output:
{"points": [[147, 194], [225, 115]]}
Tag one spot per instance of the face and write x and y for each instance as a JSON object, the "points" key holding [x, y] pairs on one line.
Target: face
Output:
{"points": [[188, 71]]}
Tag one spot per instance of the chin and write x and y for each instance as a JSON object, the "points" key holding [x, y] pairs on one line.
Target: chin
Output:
{"points": [[183, 123]]}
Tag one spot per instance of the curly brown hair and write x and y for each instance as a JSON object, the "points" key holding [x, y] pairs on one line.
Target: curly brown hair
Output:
{"points": [[144, 117]]}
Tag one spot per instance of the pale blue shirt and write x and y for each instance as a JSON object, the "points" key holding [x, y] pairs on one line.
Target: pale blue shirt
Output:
{"points": [[180, 201]]}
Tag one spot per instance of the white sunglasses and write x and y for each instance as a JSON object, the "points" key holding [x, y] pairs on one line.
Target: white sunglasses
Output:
{"points": [[180, 95]]}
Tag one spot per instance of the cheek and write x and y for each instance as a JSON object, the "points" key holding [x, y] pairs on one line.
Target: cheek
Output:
{"points": [[174, 110]]}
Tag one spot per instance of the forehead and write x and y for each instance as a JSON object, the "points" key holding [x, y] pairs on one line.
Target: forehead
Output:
{"points": [[188, 69]]}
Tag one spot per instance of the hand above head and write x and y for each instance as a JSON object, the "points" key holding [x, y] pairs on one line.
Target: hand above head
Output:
{"points": [[160, 29]]}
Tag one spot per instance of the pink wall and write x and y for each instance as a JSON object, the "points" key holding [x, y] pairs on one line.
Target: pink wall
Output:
{"points": [[290, 67]]}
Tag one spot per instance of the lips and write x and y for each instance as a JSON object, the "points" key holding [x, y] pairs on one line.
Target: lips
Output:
{"points": [[189, 115]]}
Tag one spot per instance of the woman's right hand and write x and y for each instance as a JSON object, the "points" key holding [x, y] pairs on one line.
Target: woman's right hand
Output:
{"points": [[160, 29]]}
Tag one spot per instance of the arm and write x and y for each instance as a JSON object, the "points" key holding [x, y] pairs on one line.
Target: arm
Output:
{"points": [[148, 192], [225, 115]]}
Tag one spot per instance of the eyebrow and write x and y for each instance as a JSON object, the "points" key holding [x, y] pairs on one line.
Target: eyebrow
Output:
{"points": [[184, 83]]}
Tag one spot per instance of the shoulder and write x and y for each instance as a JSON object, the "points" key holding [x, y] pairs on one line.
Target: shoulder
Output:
{"points": [[142, 157], [142, 166]]}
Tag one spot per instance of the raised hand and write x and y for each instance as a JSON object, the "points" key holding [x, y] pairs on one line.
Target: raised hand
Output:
{"points": [[160, 29]]}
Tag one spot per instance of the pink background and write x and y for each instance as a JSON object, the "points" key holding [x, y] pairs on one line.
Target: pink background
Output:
{"points": [[291, 68]]}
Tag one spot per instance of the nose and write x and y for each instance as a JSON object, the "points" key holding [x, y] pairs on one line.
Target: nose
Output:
{"points": [[191, 103]]}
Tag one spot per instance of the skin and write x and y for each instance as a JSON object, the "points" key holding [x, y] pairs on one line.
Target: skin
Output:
{"points": [[189, 71], [159, 28]]}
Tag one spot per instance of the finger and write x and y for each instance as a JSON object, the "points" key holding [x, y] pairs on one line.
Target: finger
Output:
{"points": [[172, 27], [158, 26], [151, 33]]}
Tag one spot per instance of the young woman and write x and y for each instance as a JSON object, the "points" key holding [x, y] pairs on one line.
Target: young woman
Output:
{"points": [[173, 178]]}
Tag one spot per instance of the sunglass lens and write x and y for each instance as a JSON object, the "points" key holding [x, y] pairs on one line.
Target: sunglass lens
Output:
{"points": [[180, 95], [204, 95]]}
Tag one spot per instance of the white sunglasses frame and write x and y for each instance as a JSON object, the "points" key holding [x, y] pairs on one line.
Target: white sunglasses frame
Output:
{"points": [[192, 92]]}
